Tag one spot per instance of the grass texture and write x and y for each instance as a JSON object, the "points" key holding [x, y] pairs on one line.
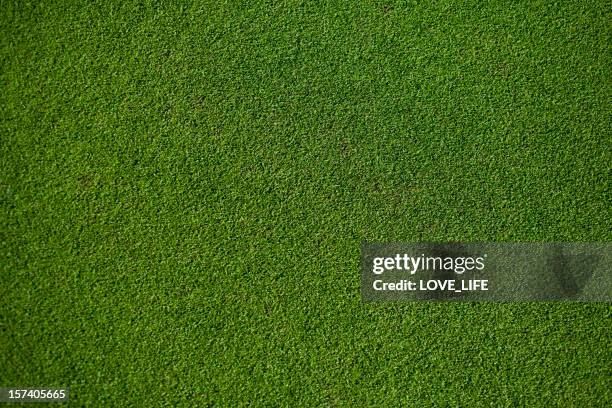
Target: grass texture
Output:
{"points": [[185, 189]]}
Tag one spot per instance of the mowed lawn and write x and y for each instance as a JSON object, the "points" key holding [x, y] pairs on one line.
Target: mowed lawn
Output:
{"points": [[185, 189]]}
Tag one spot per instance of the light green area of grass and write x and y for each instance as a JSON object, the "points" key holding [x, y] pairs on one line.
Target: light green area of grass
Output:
{"points": [[185, 190]]}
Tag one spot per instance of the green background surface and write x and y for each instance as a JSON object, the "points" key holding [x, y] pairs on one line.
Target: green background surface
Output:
{"points": [[185, 189]]}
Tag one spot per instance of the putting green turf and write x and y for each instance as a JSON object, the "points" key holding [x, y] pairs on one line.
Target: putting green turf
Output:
{"points": [[185, 190]]}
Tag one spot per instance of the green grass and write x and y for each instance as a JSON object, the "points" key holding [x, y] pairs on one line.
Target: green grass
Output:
{"points": [[185, 190]]}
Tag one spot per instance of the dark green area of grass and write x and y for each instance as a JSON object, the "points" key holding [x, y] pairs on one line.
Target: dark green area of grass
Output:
{"points": [[185, 190]]}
